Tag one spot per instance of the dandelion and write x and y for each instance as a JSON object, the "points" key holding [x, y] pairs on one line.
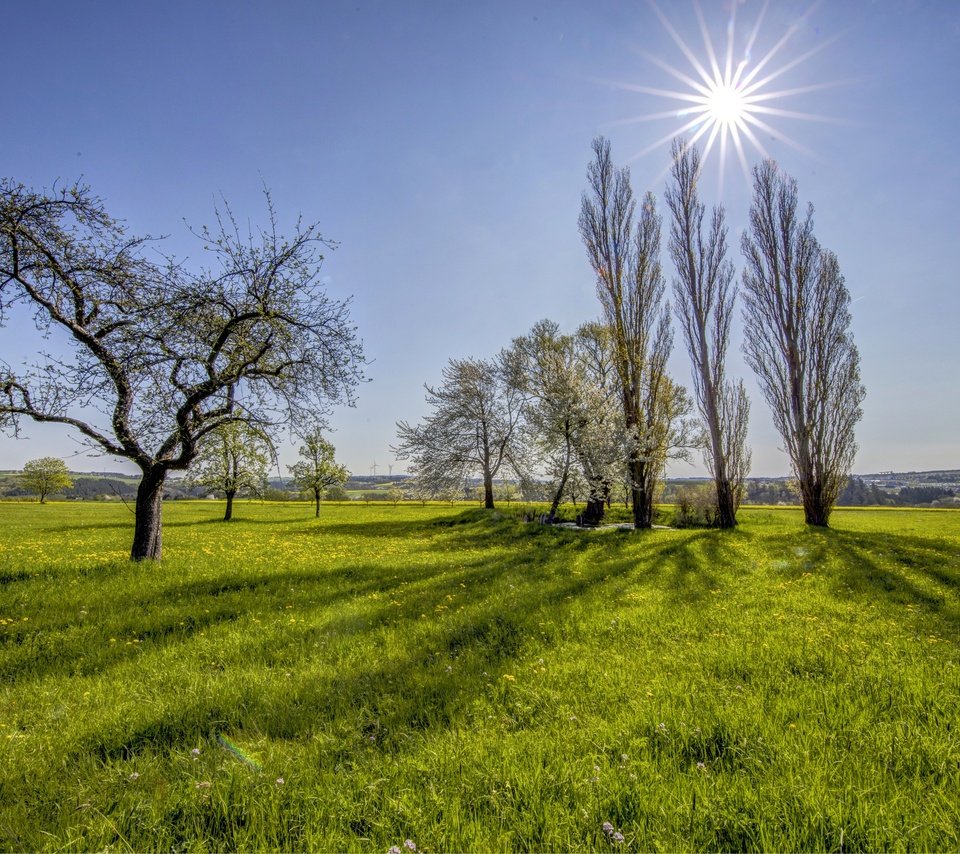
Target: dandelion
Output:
{"points": [[509, 677]]}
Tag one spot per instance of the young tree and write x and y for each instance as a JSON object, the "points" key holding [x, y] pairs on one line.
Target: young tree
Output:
{"points": [[631, 288], [798, 341], [472, 429], [152, 357], [704, 306], [542, 365], [317, 470], [46, 476], [233, 459]]}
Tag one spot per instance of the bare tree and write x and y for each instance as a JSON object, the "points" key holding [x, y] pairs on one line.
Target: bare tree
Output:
{"points": [[152, 357], [705, 298], [317, 470], [471, 430], [233, 459], [798, 340], [631, 288]]}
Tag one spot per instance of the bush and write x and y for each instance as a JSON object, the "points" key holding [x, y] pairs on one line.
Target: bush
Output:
{"points": [[696, 507]]}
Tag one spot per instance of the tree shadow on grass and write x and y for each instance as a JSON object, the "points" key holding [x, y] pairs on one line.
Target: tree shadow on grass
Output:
{"points": [[904, 568], [416, 687]]}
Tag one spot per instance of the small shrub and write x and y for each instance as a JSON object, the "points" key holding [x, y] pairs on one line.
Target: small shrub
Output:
{"points": [[696, 507]]}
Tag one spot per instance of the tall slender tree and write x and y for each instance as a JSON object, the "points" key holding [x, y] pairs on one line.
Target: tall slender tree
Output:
{"points": [[704, 302], [798, 340], [630, 285]]}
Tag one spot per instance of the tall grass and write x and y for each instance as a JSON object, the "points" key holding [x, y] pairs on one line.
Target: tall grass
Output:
{"points": [[470, 682]]}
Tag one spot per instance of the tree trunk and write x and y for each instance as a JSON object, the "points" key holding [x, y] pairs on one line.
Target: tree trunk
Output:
{"points": [[726, 505], [148, 524], [316, 495], [488, 490], [593, 514], [558, 495], [815, 509], [640, 497], [228, 513], [596, 504]]}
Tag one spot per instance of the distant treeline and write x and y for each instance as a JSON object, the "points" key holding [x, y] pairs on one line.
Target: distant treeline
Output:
{"points": [[857, 493]]}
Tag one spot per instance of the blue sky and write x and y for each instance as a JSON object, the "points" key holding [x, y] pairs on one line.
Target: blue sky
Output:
{"points": [[444, 145]]}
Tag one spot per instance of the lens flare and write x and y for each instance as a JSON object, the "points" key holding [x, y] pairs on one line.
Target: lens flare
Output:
{"points": [[727, 99]]}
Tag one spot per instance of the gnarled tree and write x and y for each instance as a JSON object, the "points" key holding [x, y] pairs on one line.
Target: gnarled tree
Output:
{"points": [[705, 298], [471, 430], [798, 341], [151, 357], [630, 286]]}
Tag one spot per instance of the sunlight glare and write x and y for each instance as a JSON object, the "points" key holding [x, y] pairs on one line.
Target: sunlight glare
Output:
{"points": [[726, 104], [725, 95]]}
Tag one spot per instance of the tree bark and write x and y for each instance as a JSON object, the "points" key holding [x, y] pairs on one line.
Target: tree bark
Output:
{"points": [[816, 509], [316, 495], [593, 514], [558, 495], [726, 505], [488, 490], [228, 513], [640, 497], [148, 530]]}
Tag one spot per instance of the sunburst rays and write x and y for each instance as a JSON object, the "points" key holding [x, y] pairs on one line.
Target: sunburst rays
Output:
{"points": [[726, 100]]}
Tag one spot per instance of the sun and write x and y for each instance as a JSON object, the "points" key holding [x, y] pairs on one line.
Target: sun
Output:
{"points": [[725, 105], [728, 100]]}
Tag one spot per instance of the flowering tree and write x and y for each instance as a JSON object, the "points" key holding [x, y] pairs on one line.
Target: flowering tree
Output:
{"points": [[472, 429]]}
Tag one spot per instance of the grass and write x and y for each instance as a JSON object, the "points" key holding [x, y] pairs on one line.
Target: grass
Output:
{"points": [[470, 682]]}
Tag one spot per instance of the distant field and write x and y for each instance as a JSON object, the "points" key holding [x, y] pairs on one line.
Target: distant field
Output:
{"points": [[470, 682]]}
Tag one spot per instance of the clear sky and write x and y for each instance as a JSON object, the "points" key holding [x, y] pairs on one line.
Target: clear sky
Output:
{"points": [[444, 145]]}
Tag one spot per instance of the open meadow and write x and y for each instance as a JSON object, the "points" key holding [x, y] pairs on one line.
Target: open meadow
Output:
{"points": [[463, 680]]}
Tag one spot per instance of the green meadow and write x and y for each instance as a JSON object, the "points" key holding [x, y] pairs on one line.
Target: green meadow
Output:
{"points": [[466, 681]]}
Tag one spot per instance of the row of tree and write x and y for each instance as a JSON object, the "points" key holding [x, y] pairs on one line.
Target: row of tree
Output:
{"points": [[232, 460], [599, 404]]}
